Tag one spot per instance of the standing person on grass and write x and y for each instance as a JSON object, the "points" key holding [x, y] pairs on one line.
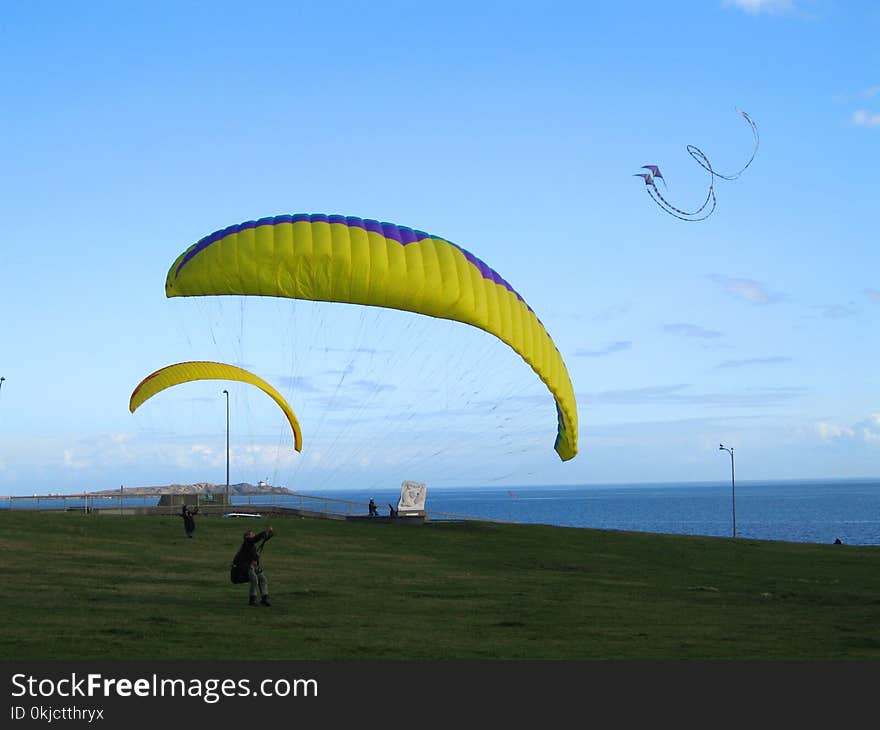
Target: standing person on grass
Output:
{"points": [[189, 522], [247, 559]]}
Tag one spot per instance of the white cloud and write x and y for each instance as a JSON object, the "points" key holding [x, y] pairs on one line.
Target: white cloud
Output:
{"points": [[871, 92], [871, 429], [747, 289], [837, 311], [832, 431], [74, 461], [871, 436], [864, 118], [761, 6], [201, 449], [99, 450], [868, 430]]}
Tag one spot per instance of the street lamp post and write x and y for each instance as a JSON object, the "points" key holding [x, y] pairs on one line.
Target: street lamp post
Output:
{"points": [[722, 447], [226, 393]]}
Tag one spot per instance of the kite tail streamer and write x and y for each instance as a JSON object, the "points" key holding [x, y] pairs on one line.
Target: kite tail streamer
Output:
{"points": [[703, 161], [683, 214], [734, 175]]}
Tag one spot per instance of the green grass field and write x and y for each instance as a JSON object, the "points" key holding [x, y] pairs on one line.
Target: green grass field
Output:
{"points": [[122, 587]]}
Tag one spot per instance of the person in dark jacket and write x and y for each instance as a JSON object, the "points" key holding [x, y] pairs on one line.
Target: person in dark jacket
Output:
{"points": [[189, 522], [249, 555]]}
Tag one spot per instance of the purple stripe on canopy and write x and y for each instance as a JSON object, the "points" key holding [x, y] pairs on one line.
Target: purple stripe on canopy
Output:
{"points": [[401, 234]]}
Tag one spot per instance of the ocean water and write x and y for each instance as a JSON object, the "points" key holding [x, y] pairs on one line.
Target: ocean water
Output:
{"points": [[815, 511]]}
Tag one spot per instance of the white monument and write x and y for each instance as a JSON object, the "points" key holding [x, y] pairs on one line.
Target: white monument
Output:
{"points": [[412, 499]]}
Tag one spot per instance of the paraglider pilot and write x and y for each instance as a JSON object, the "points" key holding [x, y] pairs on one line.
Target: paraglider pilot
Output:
{"points": [[248, 558], [189, 522]]}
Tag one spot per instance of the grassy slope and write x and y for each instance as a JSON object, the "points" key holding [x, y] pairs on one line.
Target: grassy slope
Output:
{"points": [[88, 586]]}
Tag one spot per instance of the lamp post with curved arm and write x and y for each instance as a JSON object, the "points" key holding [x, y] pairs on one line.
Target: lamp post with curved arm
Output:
{"points": [[722, 447]]}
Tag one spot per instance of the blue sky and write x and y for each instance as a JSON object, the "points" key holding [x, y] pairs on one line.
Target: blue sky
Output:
{"points": [[132, 130]]}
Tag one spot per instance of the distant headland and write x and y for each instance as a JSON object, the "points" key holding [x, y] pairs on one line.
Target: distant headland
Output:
{"points": [[198, 488]]}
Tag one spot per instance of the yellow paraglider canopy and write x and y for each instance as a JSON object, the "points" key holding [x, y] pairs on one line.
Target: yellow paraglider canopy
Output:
{"points": [[361, 261], [184, 372]]}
